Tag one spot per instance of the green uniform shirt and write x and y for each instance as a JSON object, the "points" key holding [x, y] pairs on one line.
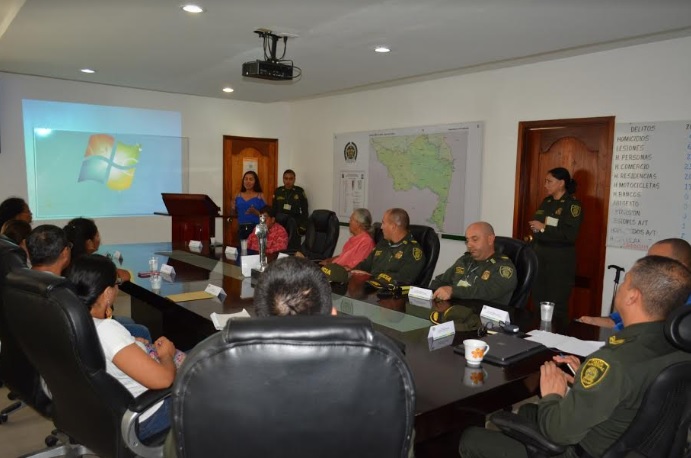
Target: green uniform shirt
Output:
{"points": [[292, 202], [401, 262], [608, 389], [562, 218], [493, 279]]}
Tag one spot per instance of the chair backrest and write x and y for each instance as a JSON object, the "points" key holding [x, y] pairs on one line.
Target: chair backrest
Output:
{"points": [[321, 236], [291, 227], [58, 335], [662, 422], [429, 242], [525, 260], [294, 387], [15, 369]]}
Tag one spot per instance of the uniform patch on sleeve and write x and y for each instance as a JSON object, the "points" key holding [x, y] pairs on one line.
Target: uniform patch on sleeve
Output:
{"points": [[506, 271], [575, 210], [485, 275], [417, 253], [594, 371]]}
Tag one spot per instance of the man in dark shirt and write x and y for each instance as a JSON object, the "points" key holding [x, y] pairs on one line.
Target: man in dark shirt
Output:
{"points": [[609, 387], [397, 257]]}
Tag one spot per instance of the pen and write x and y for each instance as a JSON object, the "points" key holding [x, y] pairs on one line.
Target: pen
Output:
{"points": [[573, 372]]}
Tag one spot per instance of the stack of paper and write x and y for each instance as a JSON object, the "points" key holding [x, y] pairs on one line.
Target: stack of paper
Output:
{"points": [[220, 319], [566, 344]]}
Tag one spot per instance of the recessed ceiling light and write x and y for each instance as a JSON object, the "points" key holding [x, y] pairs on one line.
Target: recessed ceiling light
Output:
{"points": [[382, 49], [228, 90], [191, 8], [87, 70]]}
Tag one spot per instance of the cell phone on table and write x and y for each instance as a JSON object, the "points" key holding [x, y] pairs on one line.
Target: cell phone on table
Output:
{"points": [[144, 274]]}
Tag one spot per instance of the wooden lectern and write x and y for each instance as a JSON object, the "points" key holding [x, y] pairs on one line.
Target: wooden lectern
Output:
{"points": [[194, 216]]}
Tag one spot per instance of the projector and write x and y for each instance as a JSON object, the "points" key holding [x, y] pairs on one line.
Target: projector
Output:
{"points": [[267, 70]]}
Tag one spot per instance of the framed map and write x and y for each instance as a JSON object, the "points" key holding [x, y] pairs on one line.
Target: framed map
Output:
{"points": [[433, 172]]}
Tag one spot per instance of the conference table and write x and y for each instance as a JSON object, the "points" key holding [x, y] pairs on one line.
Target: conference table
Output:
{"points": [[449, 394]]}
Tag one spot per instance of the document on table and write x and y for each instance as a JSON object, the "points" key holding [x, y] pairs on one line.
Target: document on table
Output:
{"points": [[220, 319], [567, 344], [191, 296]]}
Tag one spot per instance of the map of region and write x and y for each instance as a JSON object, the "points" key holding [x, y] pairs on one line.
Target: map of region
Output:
{"points": [[421, 173]]}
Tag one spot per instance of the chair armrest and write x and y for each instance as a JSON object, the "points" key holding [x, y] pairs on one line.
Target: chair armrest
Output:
{"points": [[129, 421], [525, 431]]}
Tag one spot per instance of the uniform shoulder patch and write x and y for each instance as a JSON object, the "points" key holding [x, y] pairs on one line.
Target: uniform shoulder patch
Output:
{"points": [[575, 210], [506, 271], [417, 253], [594, 371]]}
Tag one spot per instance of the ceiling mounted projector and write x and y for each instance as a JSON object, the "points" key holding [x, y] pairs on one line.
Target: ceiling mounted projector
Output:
{"points": [[271, 68]]}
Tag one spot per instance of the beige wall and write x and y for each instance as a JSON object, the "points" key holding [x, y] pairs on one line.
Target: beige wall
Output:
{"points": [[635, 84]]}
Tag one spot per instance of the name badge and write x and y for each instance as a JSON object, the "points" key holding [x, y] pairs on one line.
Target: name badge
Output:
{"points": [[442, 330], [168, 270], [216, 291], [286, 207]]}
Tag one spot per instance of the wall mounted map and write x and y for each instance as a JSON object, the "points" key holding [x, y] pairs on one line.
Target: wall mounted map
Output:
{"points": [[432, 172]]}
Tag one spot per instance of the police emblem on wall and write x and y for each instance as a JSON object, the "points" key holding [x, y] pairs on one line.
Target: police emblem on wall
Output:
{"points": [[350, 152]]}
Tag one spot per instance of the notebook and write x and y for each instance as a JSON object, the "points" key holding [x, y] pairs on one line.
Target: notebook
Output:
{"points": [[505, 349]]}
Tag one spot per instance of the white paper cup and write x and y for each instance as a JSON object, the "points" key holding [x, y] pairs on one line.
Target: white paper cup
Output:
{"points": [[546, 311], [475, 351]]}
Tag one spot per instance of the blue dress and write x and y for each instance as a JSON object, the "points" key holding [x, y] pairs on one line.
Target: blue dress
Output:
{"points": [[247, 221]]}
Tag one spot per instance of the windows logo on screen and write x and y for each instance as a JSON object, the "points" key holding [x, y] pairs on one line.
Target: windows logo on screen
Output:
{"points": [[110, 162]]}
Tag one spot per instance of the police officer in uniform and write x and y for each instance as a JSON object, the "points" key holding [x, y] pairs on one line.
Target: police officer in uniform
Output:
{"points": [[480, 273], [555, 229], [397, 257], [609, 387], [291, 200]]}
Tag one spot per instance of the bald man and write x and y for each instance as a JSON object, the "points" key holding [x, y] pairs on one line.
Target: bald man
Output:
{"points": [[480, 273], [677, 249]]}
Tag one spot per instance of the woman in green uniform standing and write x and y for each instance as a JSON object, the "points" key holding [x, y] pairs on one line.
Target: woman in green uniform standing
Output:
{"points": [[555, 228]]}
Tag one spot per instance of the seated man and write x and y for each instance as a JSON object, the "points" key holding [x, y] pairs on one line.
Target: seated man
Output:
{"points": [[677, 249], [360, 245], [293, 286], [49, 250], [480, 273], [276, 238], [397, 257], [608, 389]]}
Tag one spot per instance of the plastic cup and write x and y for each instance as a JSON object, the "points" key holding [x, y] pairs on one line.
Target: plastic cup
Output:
{"points": [[546, 311], [475, 351], [153, 264]]}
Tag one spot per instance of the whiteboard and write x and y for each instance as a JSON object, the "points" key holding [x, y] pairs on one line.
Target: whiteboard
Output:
{"points": [[650, 185]]}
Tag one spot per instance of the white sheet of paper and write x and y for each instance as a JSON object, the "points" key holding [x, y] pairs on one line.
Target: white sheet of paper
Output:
{"points": [[567, 344]]}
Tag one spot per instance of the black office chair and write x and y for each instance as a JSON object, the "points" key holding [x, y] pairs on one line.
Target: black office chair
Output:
{"points": [[15, 370], [321, 236], [58, 336], [291, 227], [302, 386], [429, 242], [525, 260], [661, 425]]}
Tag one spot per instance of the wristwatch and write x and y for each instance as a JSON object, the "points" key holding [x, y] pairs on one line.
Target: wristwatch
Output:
{"points": [[542, 230]]}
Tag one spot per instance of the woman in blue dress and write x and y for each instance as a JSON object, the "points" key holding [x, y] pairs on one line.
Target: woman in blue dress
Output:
{"points": [[247, 203]]}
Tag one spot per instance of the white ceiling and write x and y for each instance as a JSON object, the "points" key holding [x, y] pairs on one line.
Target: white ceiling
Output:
{"points": [[152, 44]]}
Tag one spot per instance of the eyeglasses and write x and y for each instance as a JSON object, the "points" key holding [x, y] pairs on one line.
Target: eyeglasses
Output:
{"points": [[490, 327]]}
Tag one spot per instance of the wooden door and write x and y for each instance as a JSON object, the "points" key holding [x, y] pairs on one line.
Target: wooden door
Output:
{"points": [[237, 150], [584, 148]]}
